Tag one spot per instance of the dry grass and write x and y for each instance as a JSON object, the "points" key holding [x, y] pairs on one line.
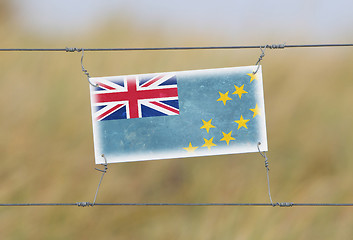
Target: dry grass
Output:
{"points": [[47, 150]]}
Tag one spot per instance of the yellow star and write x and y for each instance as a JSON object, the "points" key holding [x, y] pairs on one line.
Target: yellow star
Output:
{"points": [[253, 76], [239, 90], [208, 143], [242, 122], [227, 137], [224, 97], [190, 148], [207, 125], [256, 111]]}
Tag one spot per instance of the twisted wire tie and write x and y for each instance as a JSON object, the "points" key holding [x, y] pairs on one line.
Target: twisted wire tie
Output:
{"points": [[263, 48], [84, 204], [283, 204], [276, 46], [68, 49], [103, 172]]}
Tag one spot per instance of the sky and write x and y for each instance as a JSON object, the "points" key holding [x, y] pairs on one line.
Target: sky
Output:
{"points": [[317, 21]]}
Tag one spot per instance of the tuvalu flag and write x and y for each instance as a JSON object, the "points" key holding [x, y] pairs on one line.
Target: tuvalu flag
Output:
{"points": [[178, 114]]}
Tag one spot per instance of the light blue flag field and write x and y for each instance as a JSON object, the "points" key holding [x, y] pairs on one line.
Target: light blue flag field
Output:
{"points": [[178, 114]]}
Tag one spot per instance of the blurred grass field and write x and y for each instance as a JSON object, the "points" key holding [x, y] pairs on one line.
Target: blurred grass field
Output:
{"points": [[47, 149]]}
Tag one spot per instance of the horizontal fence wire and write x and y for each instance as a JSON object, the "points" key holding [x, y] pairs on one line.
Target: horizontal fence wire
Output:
{"points": [[272, 46], [88, 204]]}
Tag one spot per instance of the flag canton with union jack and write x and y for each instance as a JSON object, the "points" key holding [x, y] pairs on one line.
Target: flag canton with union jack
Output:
{"points": [[137, 96]]}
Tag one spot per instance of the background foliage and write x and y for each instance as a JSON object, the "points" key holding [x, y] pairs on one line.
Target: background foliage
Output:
{"points": [[47, 149]]}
